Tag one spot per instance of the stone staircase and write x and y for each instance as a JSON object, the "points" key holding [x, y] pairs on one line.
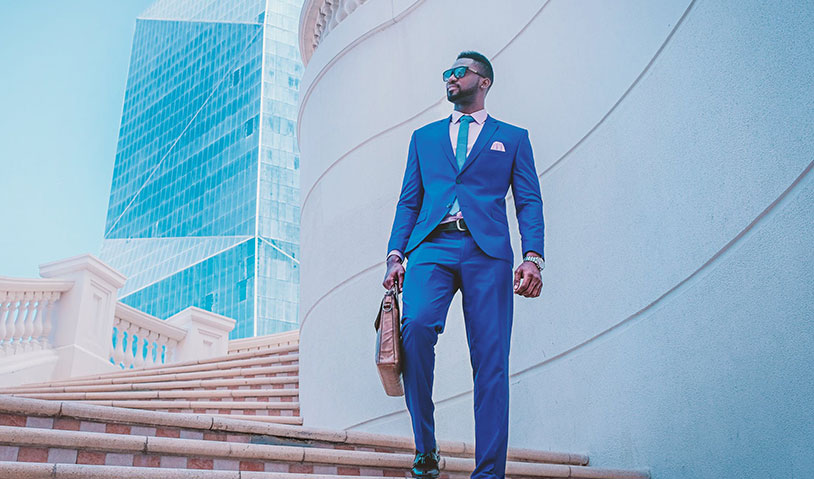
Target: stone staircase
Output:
{"points": [[235, 416], [257, 385]]}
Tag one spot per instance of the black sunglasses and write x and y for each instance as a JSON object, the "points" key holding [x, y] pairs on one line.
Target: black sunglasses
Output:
{"points": [[459, 73]]}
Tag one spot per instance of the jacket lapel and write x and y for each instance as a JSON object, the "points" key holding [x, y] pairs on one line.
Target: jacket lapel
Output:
{"points": [[446, 145], [486, 133]]}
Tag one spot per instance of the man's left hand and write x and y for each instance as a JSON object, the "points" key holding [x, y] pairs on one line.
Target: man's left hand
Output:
{"points": [[527, 280]]}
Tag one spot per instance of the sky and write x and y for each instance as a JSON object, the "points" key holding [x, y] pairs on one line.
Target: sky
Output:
{"points": [[64, 71]]}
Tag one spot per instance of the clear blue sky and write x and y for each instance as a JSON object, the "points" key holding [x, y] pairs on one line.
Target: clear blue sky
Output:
{"points": [[64, 70]]}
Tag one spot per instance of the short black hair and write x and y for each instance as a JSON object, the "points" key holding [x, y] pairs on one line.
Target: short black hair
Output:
{"points": [[481, 59]]}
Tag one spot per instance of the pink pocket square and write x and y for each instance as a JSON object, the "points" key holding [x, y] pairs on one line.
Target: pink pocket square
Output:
{"points": [[498, 146]]}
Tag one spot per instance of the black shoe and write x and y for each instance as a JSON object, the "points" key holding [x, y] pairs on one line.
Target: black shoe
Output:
{"points": [[425, 465]]}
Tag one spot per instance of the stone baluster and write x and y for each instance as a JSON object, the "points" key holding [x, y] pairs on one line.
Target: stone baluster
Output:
{"points": [[118, 351], [19, 325], [343, 10], [130, 344], [153, 349], [28, 339], [333, 20], [36, 326], [324, 16], [322, 22], [5, 329], [47, 323], [169, 356], [139, 347]]}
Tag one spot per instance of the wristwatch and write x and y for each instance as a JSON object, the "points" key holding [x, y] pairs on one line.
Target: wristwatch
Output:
{"points": [[538, 261]]}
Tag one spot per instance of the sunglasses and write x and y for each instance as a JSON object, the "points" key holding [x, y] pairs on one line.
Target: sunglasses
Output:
{"points": [[459, 73]]}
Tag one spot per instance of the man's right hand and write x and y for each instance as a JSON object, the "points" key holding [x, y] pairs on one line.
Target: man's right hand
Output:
{"points": [[395, 271]]}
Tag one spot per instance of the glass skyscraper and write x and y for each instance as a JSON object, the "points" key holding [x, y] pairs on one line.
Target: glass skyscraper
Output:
{"points": [[204, 202]]}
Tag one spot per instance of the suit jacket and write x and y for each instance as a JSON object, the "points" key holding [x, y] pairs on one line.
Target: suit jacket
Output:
{"points": [[432, 180]]}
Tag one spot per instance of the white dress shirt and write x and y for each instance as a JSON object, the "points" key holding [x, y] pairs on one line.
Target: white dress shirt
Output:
{"points": [[474, 128]]}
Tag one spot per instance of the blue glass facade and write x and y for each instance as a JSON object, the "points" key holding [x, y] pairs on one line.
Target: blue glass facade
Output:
{"points": [[204, 202]]}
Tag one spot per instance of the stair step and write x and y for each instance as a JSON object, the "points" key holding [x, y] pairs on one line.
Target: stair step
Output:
{"points": [[149, 385], [272, 352], [20, 470], [159, 404], [276, 371], [21, 412], [292, 420], [166, 394], [38, 445], [287, 360]]}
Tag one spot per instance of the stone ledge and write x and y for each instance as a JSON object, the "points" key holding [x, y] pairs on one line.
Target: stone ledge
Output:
{"points": [[182, 384], [168, 394], [81, 471], [224, 365], [31, 437], [218, 423]]}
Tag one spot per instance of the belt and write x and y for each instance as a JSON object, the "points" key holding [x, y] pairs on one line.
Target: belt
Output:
{"points": [[457, 225]]}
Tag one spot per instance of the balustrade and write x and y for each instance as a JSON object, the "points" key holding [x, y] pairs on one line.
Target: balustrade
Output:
{"points": [[25, 314], [324, 16], [69, 323], [141, 340]]}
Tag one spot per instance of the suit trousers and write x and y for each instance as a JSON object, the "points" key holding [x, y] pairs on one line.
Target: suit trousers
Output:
{"points": [[437, 268]]}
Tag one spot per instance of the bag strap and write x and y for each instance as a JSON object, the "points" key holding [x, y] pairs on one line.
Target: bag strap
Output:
{"points": [[387, 306]]}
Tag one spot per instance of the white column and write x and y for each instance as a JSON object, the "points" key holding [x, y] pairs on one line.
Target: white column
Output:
{"points": [[84, 314], [207, 334]]}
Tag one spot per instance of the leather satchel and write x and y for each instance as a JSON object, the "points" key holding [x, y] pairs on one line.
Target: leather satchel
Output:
{"points": [[388, 343]]}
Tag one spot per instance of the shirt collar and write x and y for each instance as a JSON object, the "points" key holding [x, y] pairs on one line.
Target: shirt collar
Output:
{"points": [[479, 116]]}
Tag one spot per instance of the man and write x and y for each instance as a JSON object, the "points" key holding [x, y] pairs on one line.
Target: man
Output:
{"points": [[451, 223]]}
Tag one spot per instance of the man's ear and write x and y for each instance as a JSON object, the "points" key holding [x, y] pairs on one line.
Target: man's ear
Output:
{"points": [[486, 83]]}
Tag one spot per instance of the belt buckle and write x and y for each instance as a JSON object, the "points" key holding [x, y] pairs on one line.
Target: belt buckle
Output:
{"points": [[458, 224]]}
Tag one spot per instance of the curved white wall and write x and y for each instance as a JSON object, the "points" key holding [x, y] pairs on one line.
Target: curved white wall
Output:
{"points": [[674, 141]]}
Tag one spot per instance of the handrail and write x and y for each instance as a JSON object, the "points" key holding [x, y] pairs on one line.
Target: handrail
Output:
{"points": [[9, 284]]}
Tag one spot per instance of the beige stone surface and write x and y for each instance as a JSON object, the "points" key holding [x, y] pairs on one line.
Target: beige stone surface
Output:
{"points": [[357, 458], [188, 447], [70, 439], [266, 452], [24, 470], [222, 362], [602, 473], [9, 404], [73, 471]]}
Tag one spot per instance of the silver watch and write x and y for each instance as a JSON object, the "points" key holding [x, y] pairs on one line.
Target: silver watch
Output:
{"points": [[539, 262]]}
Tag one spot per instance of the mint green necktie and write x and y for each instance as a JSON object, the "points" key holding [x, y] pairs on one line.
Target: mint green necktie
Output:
{"points": [[460, 153]]}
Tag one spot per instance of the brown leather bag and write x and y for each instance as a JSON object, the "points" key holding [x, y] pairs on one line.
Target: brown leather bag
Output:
{"points": [[388, 343]]}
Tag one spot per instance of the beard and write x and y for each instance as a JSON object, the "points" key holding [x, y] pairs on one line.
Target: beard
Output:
{"points": [[461, 95]]}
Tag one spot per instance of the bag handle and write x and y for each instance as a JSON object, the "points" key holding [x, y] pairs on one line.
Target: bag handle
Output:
{"points": [[395, 289], [386, 305]]}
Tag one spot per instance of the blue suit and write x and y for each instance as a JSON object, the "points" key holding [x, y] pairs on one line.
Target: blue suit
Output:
{"points": [[479, 263]]}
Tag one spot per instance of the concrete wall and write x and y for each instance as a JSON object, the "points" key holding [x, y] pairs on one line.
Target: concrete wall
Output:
{"points": [[674, 142]]}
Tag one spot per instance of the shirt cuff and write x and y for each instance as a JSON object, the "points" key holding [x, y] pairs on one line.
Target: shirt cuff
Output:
{"points": [[397, 253]]}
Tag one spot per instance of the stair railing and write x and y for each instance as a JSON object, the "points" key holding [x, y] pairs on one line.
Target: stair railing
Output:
{"points": [[140, 339], [26, 310]]}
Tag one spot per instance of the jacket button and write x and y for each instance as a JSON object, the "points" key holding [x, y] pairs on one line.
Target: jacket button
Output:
{"points": [[458, 181]]}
